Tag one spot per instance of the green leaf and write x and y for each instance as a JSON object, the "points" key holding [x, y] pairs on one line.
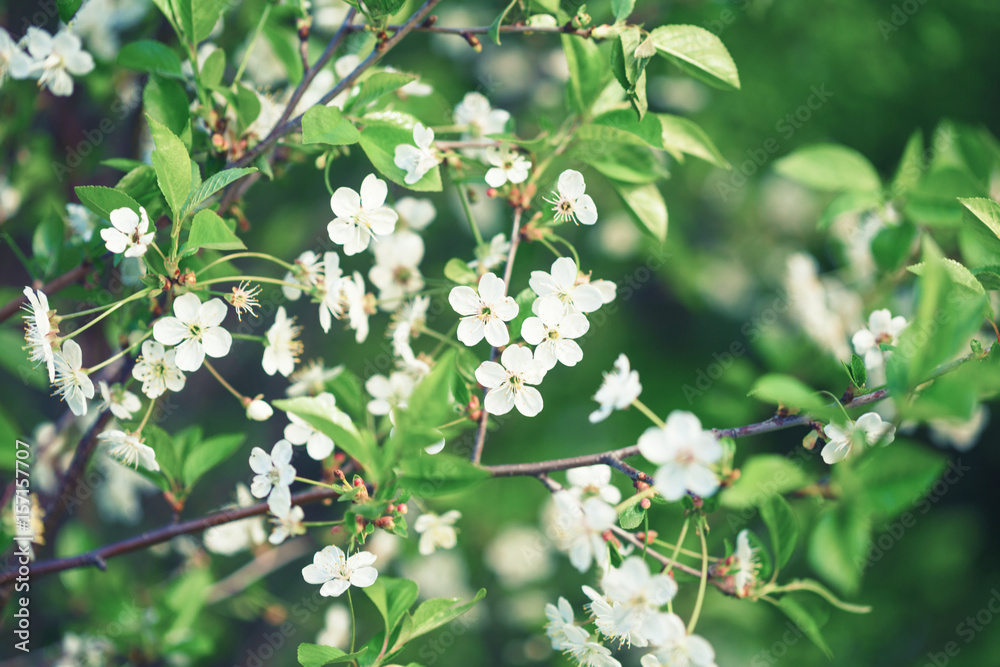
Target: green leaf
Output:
{"points": [[986, 210], [163, 445], [587, 72], [859, 372], [247, 105], [680, 135], [805, 622], [838, 545], [379, 144], [791, 392], [432, 614], [285, 47], [626, 67], [102, 200], [988, 277], [762, 477], [937, 199], [429, 476], [314, 655], [699, 53], [208, 454], [893, 245], [647, 207], [338, 426], [213, 184], [958, 273], [197, 18], [392, 597], [173, 166], [829, 167], [379, 84], [67, 9], [494, 31], [631, 517], [210, 231], [431, 403], [213, 69], [166, 101], [911, 166], [327, 125], [621, 8], [148, 56], [459, 272], [649, 130], [777, 515], [621, 162], [895, 477]]}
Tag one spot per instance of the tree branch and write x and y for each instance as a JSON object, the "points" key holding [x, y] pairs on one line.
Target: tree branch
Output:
{"points": [[56, 284], [565, 29], [98, 557]]}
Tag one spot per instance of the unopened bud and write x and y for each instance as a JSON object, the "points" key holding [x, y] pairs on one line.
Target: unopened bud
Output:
{"points": [[401, 509], [645, 503], [491, 192], [219, 141], [258, 409], [640, 485]]}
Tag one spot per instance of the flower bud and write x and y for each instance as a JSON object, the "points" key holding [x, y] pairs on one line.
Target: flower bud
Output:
{"points": [[259, 410]]}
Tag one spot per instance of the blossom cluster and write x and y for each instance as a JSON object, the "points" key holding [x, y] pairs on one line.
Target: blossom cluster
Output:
{"points": [[51, 59]]}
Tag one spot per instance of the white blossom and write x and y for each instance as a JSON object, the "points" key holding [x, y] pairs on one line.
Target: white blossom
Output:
{"points": [[485, 312], [330, 305], [288, 524], [632, 598], [593, 480], [72, 383], [157, 370], [578, 528], [300, 432], [259, 410], [195, 330], [479, 119], [274, 476], [356, 304], [507, 166], [867, 430], [129, 233], [308, 272], [389, 392], [338, 572], [492, 254], [508, 382], [684, 452], [80, 220], [882, 328], [562, 284], [230, 538], [552, 331], [437, 532], [561, 628], [14, 62], [678, 648], [283, 347], [592, 654], [336, 627], [38, 332], [311, 379], [618, 390], [417, 160], [407, 323], [396, 273], [56, 58], [130, 449], [570, 201], [415, 214], [519, 555], [360, 216], [744, 564], [122, 403]]}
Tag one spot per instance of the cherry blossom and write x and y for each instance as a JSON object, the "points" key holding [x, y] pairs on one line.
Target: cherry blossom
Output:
{"points": [[508, 382], [274, 476], [389, 392], [38, 332], [619, 388], [491, 254], [561, 283], [130, 449], [13, 61], [437, 532], [396, 272], [593, 480], [484, 312], [283, 347], [259, 410], [318, 444], [415, 214], [121, 402], [561, 628], [56, 58], [72, 383], [569, 201], [507, 166], [360, 216], [475, 113], [231, 538], [195, 330], [867, 430], [417, 160], [552, 331], [311, 379], [157, 370], [678, 648], [338, 572], [308, 272], [578, 528], [882, 328], [330, 305], [628, 610], [287, 525], [684, 452], [129, 233]]}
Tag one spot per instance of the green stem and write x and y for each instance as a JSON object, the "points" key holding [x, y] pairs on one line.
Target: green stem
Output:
{"points": [[702, 584], [253, 42], [677, 547], [248, 337], [111, 359], [632, 500], [137, 295], [551, 247], [258, 279], [145, 418], [350, 604], [235, 255], [322, 523], [464, 196], [326, 172], [686, 552], [649, 413], [315, 483], [226, 385], [568, 245], [439, 336], [813, 587]]}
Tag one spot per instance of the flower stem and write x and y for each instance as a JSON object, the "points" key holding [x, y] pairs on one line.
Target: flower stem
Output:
{"points": [[236, 255], [145, 417], [677, 547], [632, 500], [315, 483], [211, 369], [568, 245], [247, 337], [464, 196], [258, 279], [111, 359], [649, 413], [686, 552], [350, 604], [441, 337], [253, 42], [702, 584], [110, 310]]}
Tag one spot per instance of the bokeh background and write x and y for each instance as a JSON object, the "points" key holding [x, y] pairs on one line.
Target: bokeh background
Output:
{"points": [[885, 70]]}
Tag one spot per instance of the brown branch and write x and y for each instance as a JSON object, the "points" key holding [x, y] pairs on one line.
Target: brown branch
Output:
{"points": [[565, 29], [98, 557], [515, 237], [282, 128], [56, 284]]}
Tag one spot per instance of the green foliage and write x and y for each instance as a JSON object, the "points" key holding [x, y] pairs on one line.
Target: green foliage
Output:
{"points": [[103, 201], [327, 125], [149, 56], [587, 72], [761, 478], [698, 53], [208, 230], [379, 142], [172, 165], [313, 655], [441, 474], [792, 392], [838, 545], [829, 167], [784, 530], [648, 209], [213, 184]]}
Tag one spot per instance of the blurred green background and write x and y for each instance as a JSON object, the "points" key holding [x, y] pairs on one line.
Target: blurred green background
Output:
{"points": [[886, 69]]}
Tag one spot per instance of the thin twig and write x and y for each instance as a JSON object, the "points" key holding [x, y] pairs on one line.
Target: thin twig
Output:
{"points": [[565, 29], [51, 287]]}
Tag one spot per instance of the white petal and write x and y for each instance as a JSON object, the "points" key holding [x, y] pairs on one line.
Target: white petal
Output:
{"points": [[499, 401], [528, 401], [186, 307], [345, 203], [491, 374], [190, 355], [571, 184], [216, 342]]}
